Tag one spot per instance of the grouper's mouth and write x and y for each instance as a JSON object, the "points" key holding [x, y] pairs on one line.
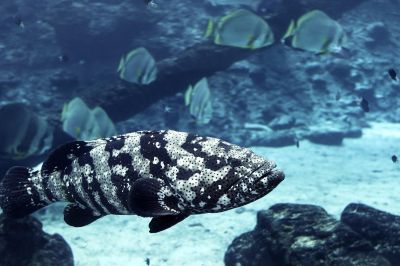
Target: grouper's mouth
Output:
{"points": [[261, 179], [267, 175]]}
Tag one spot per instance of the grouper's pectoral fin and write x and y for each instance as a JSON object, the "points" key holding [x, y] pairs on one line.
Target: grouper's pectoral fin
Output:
{"points": [[161, 223], [77, 216], [146, 199]]}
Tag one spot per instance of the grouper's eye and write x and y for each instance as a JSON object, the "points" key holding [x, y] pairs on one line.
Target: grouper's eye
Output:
{"points": [[234, 162]]}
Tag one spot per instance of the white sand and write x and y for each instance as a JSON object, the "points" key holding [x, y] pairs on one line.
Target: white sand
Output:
{"points": [[359, 171]]}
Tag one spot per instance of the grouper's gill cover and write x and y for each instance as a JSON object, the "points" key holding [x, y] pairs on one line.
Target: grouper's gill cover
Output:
{"points": [[167, 175]]}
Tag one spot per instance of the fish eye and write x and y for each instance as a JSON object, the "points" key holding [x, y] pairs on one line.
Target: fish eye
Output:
{"points": [[234, 162]]}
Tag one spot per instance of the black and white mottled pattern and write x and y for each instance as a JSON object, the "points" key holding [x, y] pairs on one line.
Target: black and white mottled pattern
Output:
{"points": [[184, 174]]}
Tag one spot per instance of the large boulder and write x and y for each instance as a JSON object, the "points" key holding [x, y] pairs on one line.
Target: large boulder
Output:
{"points": [[295, 234], [380, 228], [23, 242]]}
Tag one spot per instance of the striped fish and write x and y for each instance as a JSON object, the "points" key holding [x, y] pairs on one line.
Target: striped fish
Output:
{"points": [[167, 175], [198, 99], [138, 66]]}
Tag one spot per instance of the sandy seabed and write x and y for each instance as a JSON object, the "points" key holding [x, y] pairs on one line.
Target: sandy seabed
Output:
{"points": [[360, 171]]}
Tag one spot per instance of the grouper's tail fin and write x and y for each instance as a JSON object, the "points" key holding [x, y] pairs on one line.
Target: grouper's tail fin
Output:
{"points": [[18, 195]]}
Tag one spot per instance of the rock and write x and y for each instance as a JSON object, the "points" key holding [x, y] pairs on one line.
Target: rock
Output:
{"points": [[353, 133], [382, 229], [377, 35], [333, 134], [270, 139], [296, 234], [22, 242], [249, 249], [326, 136]]}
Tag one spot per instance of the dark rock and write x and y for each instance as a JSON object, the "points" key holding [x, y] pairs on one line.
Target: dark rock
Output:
{"points": [[270, 139], [249, 249], [271, 111], [258, 78], [340, 71], [326, 136], [294, 234], [353, 133], [377, 35], [382, 229], [319, 85], [22, 242]]}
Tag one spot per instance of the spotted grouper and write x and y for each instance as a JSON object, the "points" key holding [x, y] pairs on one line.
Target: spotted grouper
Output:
{"points": [[167, 175]]}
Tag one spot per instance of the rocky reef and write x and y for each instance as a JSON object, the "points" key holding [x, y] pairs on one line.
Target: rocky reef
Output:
{"points": [[23, 242], [296, 234]]}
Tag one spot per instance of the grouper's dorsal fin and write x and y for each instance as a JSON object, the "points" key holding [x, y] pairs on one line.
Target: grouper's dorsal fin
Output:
{"points": [[62, 156], [161, 223], [145, 199]]}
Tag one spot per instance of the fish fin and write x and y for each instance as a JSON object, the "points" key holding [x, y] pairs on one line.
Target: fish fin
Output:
{"points": [[290, 31], [188, 95], [135, 52], [145, 201], [62, 156], [217, 39], [323, 52], [310, 15], [325, 46], [18, 195], [64, 112], [121, 64], [77, 216], [121, 67], [158, 224], [250, 41], [210, 28]]}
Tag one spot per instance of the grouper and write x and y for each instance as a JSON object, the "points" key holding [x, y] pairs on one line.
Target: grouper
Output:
{"points": [[166, 175]]}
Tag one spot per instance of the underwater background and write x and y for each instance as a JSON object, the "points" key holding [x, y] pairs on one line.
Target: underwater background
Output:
{"points": [[320, 100]]}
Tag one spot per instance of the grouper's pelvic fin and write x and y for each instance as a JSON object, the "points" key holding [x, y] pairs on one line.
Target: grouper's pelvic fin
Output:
{"points": [[158, 224], [18, 195], [77, 216]]}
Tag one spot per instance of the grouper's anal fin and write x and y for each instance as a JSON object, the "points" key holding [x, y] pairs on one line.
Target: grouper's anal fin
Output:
{"points": [[62, 156], [158, 224], [77, 216], [144, 199]]}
